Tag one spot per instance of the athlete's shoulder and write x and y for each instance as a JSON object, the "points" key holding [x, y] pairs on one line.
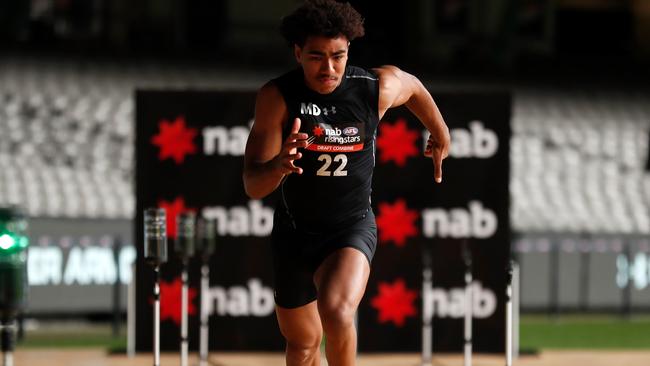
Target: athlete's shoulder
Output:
{"points": [[269, 91], [387, 72], [270, 98], [390, 78], [355, 72]]}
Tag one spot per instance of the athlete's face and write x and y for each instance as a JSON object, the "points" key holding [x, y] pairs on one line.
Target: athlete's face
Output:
{"points": [[323, 61]]}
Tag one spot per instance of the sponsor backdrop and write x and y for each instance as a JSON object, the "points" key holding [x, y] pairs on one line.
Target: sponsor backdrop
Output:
{"points": [[416, 216], [190, 147]]}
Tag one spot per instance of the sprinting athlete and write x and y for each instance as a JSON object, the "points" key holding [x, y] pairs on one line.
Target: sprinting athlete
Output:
{"points": [[314, 140]]}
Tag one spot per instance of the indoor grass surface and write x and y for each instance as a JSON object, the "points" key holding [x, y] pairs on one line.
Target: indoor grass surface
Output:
{"points": [[584, 332], [537, 332]]}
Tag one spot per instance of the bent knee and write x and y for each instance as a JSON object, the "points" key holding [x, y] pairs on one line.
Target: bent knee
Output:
{"points": [[337, 315], [304, 340], [303, 349]]}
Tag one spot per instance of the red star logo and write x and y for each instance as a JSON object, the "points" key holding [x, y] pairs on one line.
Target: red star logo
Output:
{"points": [[396, 222], [170, 300], [175, 140], [396, 142], [394, 302], [172, 209], [318, 131]]}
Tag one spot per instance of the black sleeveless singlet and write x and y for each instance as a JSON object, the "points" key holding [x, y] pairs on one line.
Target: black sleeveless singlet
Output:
{"points": [[335, 185]]}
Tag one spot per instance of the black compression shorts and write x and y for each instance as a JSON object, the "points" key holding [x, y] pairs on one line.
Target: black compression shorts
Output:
{"points": [[298, 253]]}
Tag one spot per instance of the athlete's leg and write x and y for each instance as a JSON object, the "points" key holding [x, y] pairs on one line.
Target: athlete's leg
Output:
{"points": [[341, 281], [302, 329]]}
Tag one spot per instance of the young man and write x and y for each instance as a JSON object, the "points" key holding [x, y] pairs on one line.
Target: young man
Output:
{"points": [[314, 139]]}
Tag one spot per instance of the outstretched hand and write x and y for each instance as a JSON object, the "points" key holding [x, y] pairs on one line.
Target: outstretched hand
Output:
{"points": [[437, 150], [289, 152]]}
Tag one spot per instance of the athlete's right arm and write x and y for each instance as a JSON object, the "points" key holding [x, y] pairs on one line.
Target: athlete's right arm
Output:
{"points": [[267, 158]]}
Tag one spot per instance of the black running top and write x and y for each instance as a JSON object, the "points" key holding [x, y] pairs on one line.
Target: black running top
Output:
{"points": [[337, 167]]}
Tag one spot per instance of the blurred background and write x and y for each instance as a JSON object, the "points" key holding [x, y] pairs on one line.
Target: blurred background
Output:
{"points": [[578, 71]]}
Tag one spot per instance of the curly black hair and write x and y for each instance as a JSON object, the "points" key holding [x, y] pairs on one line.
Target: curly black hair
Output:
{"points": [[321, 18]]}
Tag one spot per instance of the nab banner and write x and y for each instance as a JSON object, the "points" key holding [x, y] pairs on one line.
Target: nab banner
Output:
{"points": [[190, 148], [416, 216]]}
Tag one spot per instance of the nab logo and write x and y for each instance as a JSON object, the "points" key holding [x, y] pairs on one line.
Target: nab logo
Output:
{"points": [[310, 108], [333, 132], [452, 303], [475, 142], [478, 142], [475, 222], [252, 220], [254, 300], [221, 140]]}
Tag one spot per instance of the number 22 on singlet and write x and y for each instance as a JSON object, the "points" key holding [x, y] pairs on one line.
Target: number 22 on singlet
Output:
{"points": [[327, 161]]}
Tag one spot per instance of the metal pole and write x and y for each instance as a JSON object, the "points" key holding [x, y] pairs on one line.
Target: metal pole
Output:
{"points": [[509, 314], [585, 259], [554, 283], [427, 319], [7, 335], [155, 253], [8, 358], [20, 332], [206, 230], [156, 318], [467, 256], [427, 308], [184, 247], [515, 309], [626, 301], [184, 315], [468, 318], [205, 286], [130, 315], [117, 300]]}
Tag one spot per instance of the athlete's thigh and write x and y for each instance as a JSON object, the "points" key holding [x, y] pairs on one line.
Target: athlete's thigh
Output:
{"points": [[301, 324], [343, 276]]}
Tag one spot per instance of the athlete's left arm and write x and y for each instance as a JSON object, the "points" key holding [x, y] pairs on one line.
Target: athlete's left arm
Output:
{"points": [[397, 87]]}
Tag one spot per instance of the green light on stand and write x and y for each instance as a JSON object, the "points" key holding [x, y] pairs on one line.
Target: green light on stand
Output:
{"points": [[13, 262], [11, 243], [7, 242], [13, 276]]}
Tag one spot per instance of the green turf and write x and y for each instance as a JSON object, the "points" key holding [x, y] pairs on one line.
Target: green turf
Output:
{"points": [[73, 337], [584, 332], [537, 332]]}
